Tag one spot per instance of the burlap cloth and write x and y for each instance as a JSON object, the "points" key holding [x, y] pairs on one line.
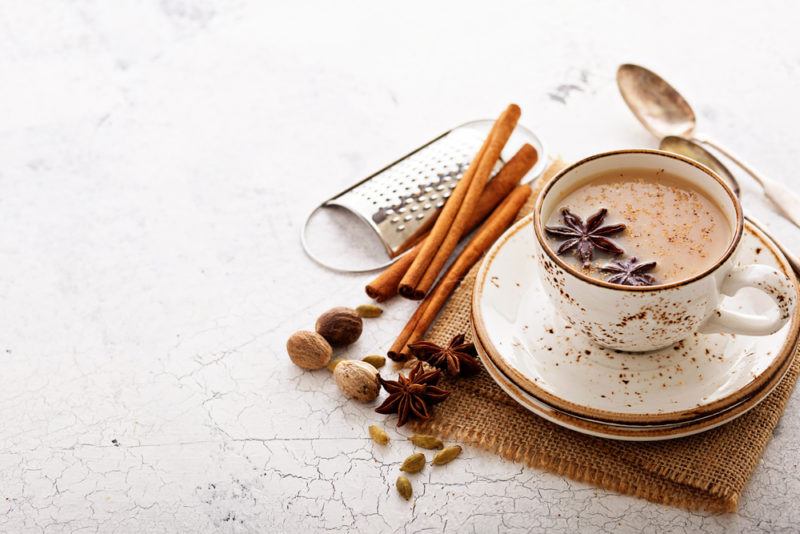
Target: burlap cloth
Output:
{"points": [[706, 471]]}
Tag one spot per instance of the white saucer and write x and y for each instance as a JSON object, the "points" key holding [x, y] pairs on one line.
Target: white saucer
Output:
{"points": [[548, 360], [623, 432]]}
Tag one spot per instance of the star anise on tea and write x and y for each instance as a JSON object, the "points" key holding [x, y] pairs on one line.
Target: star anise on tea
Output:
{"points": [[456, 358], [412, 395], [585, 238], [630, 272]]}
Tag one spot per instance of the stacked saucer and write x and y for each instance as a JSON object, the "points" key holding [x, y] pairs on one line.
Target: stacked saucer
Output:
{"points": [[548, 367]]}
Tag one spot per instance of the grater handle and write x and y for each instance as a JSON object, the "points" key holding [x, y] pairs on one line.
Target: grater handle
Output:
{"points": [[333, 267]]}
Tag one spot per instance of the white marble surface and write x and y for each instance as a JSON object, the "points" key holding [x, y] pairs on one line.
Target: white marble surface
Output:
{"points": [[156, 159]]}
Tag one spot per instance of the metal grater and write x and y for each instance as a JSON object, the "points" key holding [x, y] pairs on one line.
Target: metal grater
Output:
{"points": [[400, 202]]}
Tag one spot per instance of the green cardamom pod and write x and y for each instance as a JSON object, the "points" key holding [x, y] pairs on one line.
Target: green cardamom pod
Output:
{"points": [[403, 487], [414, 463], [374, 360], [369, 311], [333, 363], [378, 435], [426, 442], [445, 456]]}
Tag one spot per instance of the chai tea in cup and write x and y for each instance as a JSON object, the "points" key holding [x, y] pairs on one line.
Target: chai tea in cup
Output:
{"points": [[638, 227], [638, 249]]}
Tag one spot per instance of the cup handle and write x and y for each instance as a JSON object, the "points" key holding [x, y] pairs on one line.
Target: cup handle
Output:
{"points": [[766, 279]]}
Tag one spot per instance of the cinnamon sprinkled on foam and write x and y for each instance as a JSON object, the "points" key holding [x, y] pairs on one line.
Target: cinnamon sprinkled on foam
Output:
{"points": [[667, 220]]}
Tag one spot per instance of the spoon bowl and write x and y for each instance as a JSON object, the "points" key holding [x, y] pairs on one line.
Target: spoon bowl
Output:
{"points": [[664, 112], [658, 106]]}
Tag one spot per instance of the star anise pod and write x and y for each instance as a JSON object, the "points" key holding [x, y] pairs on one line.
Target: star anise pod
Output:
{"points": [[412, 396], [630, 272], [585, 238], [456, 358]]}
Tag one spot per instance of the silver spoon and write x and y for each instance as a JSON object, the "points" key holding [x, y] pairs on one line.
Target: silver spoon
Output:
{"points": [[664, 112], [690, 149]]}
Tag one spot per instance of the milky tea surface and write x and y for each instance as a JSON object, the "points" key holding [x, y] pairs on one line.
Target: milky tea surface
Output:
{"points": [[667, 220]]}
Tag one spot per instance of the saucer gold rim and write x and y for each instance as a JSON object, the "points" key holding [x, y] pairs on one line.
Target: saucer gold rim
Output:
{"points": [[530, 387], [607, 431]]}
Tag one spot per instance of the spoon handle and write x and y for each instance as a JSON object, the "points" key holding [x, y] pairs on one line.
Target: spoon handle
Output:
{"points": [[791, 258], [787, 201]]}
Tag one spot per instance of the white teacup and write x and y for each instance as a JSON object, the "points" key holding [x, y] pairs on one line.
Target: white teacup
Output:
{"points": [[651, 317]]}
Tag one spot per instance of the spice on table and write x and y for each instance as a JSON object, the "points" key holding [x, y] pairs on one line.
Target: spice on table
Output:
{"points": [[374, 360], [357, 380], [333, 363], [414, 463], [457, 358], [426, 442], [309, 350], [455, 216], [378, 435], [369, 311], [399, 351], [403, 487], [411, 396], [584, 238], [386, 284], [446, 455], [340, 326]]}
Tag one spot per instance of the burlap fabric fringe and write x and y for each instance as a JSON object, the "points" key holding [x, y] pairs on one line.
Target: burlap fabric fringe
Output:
{"points": [[706, 471]]}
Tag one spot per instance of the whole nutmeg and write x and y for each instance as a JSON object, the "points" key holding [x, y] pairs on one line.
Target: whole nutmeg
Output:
{"points": [[340, 326], [309, 350], [357, 380]]}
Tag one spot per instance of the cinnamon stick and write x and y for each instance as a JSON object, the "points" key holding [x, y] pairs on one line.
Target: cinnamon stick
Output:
{"points": [[398, 351], [385, 285], [443, 222], [454, 228], [489, 232], [465, 190]]}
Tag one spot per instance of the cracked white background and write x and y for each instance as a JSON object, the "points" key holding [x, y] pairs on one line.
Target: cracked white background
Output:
{"points": [[156, 159]]}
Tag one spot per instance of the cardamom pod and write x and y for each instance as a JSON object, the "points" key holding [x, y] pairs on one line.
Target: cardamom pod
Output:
{"points": [[369, 311], [403, 487], [445, 456], [414, 463], [426, 442], [378, 435], [333, 363], [374, 360]]}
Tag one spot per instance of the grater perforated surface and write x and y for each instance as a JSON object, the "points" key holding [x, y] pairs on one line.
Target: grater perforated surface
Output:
{"points": [[401, 201]]}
